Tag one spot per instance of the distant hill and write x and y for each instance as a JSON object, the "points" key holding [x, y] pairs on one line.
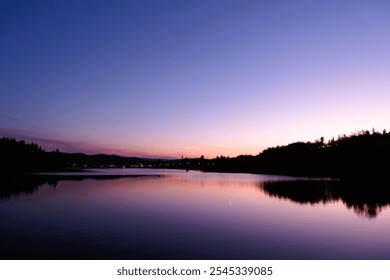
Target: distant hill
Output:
{"points": [[21, 157], [102, 160]]}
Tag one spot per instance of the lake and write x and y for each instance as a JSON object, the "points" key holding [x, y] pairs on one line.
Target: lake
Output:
{"points": [[174, 214]]}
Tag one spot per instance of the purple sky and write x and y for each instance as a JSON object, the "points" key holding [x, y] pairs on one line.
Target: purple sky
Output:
{"points": [[191, 78]]}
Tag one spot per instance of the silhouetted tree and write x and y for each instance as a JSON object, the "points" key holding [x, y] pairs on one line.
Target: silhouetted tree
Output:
{"points": [[20, 157]]}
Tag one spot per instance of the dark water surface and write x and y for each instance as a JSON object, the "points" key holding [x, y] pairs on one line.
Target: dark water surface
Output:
{"points": [[192, 215]]}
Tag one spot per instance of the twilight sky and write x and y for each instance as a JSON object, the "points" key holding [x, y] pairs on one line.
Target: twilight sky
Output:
{"points": [[191, 78]]}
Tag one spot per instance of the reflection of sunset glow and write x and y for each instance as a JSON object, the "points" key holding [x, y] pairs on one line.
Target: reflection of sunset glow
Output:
{"points": [[212, 215]]}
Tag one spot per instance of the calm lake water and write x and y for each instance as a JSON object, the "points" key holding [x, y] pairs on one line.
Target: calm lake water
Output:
{"points": [[174, 214]]}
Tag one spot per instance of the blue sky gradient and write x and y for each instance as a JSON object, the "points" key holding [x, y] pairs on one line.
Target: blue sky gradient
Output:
{"points": [[191, 78]]}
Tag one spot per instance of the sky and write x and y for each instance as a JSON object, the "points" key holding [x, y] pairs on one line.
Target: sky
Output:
{"points": [[191, 78]]}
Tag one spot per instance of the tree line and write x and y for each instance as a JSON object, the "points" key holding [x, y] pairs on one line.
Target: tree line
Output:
{"points": [[362, 154], [21, 157]]}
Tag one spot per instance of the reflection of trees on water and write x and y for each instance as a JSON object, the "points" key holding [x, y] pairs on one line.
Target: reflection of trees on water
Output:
{"points": [[14, 186], [365, 198]]}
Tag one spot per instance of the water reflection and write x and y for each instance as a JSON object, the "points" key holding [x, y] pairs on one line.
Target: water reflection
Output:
{"points": [[365, 198], [15, 186], [24, 185], [190, 215]]}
